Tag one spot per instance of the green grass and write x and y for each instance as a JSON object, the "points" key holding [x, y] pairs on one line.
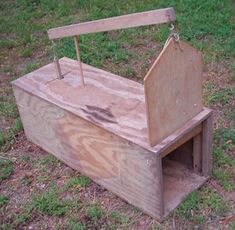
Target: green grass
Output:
{"points": [[7, 43], [223, 96], [207, 200], [75, 182], [49, 161], [49, 203], [73, 224], [94, 212], [6, 169], [118, 219], [30, 67], [224, 164], [25, 159], [22, 217], [233, 71], [3, 200], [26, 52]]}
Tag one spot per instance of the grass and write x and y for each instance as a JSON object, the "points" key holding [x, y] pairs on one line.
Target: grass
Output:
{"points": [[24, 45], [3, 200], [30, 67], [94, 212], [201, 204], [26, 52], [76, 182], [6, 169], [75, 225], [224, 164], [49, 203]]}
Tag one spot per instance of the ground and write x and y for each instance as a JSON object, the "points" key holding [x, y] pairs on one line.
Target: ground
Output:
{"points": [[39, 192]]}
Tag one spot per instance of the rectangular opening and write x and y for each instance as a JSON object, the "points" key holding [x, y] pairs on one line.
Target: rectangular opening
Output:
{"points": [[179, 175]]}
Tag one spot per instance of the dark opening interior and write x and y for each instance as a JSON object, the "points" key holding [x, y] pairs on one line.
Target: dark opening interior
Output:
{"points": [[179, 176]]}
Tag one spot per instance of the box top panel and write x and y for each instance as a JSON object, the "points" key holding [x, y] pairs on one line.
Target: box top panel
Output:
{"points": [[107, 100]]}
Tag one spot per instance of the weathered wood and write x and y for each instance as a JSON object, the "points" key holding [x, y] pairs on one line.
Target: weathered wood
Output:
{"points": [[197, 153], [57, 69], [101, 131], [79, 60], [173, 88], [207, 146], [111, 161], [175, 137], [182, 140], [108, 101], [121, 22], [178, 182]]}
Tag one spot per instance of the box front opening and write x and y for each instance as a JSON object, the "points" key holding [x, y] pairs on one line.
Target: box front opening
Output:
{"points": [[179, 176]]}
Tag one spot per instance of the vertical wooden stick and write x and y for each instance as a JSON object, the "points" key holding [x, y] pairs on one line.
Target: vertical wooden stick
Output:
{"points": [[207, 146], [57, 67], [197, 153], [79, 60]]}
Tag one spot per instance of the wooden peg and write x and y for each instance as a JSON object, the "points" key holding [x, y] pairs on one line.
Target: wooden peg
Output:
{"points": [[79, 60], [57, 67]]}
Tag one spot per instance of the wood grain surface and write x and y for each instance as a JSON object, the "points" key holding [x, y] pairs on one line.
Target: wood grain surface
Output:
{"points": [[108, 101], [121, 22], [117, 164], [173, 89]]}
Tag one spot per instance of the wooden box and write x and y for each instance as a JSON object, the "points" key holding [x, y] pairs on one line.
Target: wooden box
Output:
{"points": [[149, 144]]}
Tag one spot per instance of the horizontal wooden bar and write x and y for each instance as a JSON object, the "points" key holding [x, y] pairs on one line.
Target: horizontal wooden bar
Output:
{"points": [[121, 22], [181, 141]]}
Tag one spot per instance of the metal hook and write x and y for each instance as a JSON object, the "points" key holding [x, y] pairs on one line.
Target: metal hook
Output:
{"points": [[171, 27], [175, 36]]}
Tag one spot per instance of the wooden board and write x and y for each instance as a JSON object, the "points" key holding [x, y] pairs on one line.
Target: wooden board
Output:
{"points": [[126, 21], [111, 161], [207, 126], [173, 90]]}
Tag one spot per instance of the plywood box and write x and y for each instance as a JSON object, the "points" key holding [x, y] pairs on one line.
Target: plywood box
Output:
{"points": [[150, 144]]}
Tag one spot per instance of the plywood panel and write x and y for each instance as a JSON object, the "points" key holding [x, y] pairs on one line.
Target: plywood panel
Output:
{"points": [[117, 164], [173, 90], [107, 100]]}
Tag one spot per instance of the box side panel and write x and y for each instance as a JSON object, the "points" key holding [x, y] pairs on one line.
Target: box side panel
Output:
{"points": [[128, 170]]}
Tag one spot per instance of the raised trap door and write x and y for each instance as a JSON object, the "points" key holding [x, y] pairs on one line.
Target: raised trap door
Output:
{"points": [[173, 89]]}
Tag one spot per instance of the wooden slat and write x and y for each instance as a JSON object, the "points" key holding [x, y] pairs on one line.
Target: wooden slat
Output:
{"points": [[113, 162], [173, 90], [180, 133], [197, 153], [207, 146], [182, 140], [114, 23]]}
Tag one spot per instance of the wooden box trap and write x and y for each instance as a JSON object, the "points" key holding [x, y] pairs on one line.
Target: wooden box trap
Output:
{"points": [[150, 144]]}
